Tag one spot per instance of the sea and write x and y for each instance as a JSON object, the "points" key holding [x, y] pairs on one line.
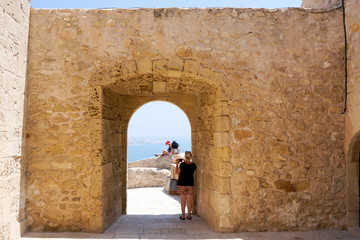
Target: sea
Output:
{"points": [[146, 149]]}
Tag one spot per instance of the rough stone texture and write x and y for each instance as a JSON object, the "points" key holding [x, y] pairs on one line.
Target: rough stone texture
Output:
{"points": [[147, 177], [352, 140], [321, 4], [14, 28], [155, 162], [263, 90], [151, 172]]}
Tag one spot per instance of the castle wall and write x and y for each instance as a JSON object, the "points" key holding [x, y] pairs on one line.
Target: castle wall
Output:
{"points": [[266, 87], [352, 141], [321, 4], [14, 28]]}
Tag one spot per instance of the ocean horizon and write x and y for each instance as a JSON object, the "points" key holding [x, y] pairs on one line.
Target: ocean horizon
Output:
{"points": [[142, 149]]}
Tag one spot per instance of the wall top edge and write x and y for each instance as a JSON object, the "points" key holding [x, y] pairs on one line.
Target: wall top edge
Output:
{"points": [[174, 10]]}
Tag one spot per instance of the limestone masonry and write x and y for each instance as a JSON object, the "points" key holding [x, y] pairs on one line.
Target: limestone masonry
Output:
{"points": [[14, 30], [264, 91], [151, 172]]}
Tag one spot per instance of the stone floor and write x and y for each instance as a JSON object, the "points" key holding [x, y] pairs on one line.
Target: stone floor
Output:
{"points": [[152, 214]]}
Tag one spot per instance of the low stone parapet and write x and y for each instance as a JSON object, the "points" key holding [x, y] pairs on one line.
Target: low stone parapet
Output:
{"points": [[147, 177], [154, 162]]}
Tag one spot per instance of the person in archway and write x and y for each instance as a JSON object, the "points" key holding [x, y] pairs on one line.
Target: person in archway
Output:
{"points": [[166, 152], [185, 183], [172, 150]]}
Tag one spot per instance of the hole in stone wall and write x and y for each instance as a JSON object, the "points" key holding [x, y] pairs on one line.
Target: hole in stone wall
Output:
{"points": [[149, 183]]}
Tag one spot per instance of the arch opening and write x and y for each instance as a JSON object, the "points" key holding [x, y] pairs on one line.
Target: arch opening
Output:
{"points": [[149, 128]]}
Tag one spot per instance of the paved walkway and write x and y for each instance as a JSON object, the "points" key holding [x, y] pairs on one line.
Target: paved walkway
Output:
{"points": [[152, 214]]}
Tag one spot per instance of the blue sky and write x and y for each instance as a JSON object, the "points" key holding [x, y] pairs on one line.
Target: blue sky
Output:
{"points": [[163, 3], [159, 120]]}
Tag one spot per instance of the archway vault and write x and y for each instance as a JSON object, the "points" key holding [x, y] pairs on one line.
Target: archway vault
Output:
{"points": [[118, 92]]}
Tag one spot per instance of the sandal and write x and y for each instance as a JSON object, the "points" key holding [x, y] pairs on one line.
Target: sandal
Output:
{"points": [[182, 218], [189, 218]]}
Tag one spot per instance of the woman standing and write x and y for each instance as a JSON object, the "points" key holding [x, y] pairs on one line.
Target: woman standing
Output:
{"points": [[185, 184]]}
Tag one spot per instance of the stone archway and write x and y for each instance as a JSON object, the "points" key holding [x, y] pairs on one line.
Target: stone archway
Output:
{"points": [[118, 92], [185, 102], [353, 179]]}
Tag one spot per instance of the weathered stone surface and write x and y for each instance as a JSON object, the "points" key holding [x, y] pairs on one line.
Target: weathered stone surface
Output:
{"points": [[147, 177], [242, 133], [285, 185], [155, 162], [321, 4], [152, 172], [352, 135], [184, 51], [14, 25], [263, 102]]}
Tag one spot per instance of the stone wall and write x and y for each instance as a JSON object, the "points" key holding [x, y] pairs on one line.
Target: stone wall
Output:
{"points": [[321, 4], [150, 172], [14, 25], [263, 91], [147, 177], [154, 162], [352, 141]]}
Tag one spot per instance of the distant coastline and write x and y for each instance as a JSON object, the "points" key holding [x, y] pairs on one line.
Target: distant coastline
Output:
{"points": [[142, 141]]}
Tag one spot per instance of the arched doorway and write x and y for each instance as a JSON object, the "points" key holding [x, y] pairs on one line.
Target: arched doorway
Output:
{"points": [[148, 176], [353, 182], [117, 93]]}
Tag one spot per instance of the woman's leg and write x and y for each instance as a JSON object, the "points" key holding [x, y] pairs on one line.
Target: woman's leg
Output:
{"points": [[188, 203], [183, 199]]}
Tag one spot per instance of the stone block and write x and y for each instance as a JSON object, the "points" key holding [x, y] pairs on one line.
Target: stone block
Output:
{"points": [[240, 134], [221, 203], [144, 66], [302, 186], [282, 149], [221, 169], [191, 66], [159, 87], [222, 124], [97, 174], [206, 72], [174, 73], [160, 66], [96, 140], [221, 139], [223, 153], [285, 185], [96, 224], [176, 64], [96, 189], [226, 224], [129, 68], [220, 184], [184, 51], [353, 203]]}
